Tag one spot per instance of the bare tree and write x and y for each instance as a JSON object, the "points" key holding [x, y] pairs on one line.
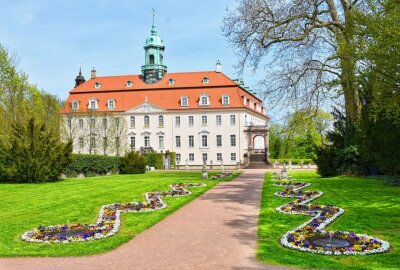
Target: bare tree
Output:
{"points": [[308, 48]]}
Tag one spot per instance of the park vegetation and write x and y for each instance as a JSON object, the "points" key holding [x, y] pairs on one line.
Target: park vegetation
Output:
{"points": [[329, 52]]}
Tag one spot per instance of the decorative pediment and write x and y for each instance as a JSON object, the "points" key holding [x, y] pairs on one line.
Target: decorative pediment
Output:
{"points": [[160, 133], [146, 107], [132, 133], [146, 133], [204, 131]]}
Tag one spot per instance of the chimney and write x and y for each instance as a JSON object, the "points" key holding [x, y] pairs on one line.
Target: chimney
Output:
{"points": [[93, 73], [219, 67]]}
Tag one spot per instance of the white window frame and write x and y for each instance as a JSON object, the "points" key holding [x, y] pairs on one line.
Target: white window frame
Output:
{"points": [[204, 155], [178, 158], [146, 123], [219, 140], [177, 121], [80, 123], [205, 98], [218, 120], [191, 141], [184, 101], [171, 82], [191, 120], [233, 156], [233, 140], [95, 102], [132, 121], [219, 156], [75, 105], [191, 157], [204, 141], [232, 119], [204, 120], [161, 141], [145, 140], [226, 100], [160, 121], [129, 83], [109, 103], [133, 141], [178, 142], [97, 85], [205, 80]]}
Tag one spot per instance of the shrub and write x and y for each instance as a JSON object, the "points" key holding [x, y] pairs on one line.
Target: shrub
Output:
{"points": [[133, 163], [154, 159], [35, 155], [91, 165]]}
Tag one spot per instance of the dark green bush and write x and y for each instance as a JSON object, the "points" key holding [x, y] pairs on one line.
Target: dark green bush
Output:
{"points": [[91, 165], [35, 154], [133, 163], [154, 159]]}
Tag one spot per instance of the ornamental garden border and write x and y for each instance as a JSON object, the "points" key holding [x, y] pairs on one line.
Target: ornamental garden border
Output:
{"points": [[311, 236]]}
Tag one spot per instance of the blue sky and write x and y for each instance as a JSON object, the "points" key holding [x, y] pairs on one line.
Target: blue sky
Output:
{"points": [[52, 38]]}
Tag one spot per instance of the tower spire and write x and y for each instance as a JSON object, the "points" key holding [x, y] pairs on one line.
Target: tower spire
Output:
{"points": [[153, 27]]}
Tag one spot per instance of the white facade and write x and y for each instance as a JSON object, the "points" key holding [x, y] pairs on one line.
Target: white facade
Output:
{"points": [[194, 135]]}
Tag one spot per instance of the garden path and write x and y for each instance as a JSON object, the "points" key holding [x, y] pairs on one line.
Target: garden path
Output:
{"points": [[216, 231]]}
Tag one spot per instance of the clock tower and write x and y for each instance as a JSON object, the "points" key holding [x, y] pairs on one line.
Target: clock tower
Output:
{"points": [[153, 69]]}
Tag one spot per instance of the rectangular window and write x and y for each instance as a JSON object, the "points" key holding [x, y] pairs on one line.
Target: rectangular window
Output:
{"points": [[191, 141], [93, 123], [69, 123], [205, 157], [117, 142], [105, 123], [233, 156], [191, 157], [178, 141], [132, 121], [117, 122], [233, 120], [146, 141], [204, 120], [218, 120], [233, 140], [161, 141], [219, 140], [133, 142], [92, 142], [204, 140], [177, 121], [81, 143], [191, 121], [219, 156], [178, 158], [81, 123], [105, 142]]}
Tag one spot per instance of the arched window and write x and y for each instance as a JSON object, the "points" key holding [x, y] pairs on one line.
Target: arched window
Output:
{"points": [[161, 121], [111, 104], [146, 121], [93, 104], [129, 83], [184, 101], [204, 100], [132, 122], [151, 59], [225, 100], [205, 80], [171, 82], [97, 85]]}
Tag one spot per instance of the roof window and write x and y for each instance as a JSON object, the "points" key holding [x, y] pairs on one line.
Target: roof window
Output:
{"points": [[205, 80], [129, 83], [171, 82], [97, 85]]}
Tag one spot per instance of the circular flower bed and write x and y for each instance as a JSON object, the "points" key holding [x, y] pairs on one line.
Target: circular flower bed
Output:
{"points": [[108, 222], [311, 236]]}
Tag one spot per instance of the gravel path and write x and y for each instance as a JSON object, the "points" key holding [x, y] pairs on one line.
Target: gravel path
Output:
{"points": [[216, 231]]}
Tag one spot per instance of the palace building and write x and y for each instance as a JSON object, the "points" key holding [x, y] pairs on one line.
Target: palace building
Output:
{"points": [[201, 116]]}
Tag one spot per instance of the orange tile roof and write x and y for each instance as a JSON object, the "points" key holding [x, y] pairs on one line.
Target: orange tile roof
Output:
{"points": [[161, 94]]}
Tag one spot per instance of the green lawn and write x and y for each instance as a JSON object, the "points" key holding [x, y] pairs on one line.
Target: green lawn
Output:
{"points": [[26, 206], [370, 208]]}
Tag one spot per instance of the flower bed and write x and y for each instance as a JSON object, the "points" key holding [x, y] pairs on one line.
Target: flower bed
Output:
{"points": [[108, 222], [311, 236]]}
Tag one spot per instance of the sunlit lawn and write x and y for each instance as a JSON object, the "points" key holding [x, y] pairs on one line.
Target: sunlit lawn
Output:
{"points": [[26, 206], [370, 208]]}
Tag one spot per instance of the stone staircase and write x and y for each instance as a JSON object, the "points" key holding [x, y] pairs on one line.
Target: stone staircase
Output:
{"points": [[257, 161]]}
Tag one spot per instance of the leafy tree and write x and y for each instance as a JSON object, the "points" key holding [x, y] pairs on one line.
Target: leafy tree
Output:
{"points": [[35, 154], [308, 48]]}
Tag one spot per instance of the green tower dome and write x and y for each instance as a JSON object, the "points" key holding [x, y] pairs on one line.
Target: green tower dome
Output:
{"points": [[153, 70]]}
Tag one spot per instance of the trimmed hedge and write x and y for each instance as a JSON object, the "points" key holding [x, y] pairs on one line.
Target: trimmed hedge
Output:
{"points": [[91, 165], [295, 161], [133, 163]]}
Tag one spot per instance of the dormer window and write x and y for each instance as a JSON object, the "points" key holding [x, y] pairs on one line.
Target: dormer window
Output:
{"points": [[205, 80], [204, 100], [93, 104], [111, 104], [225, 100], [97, 85], [129, 84], [184, 101], [251, 104], [75, 105], [171, 82]]}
